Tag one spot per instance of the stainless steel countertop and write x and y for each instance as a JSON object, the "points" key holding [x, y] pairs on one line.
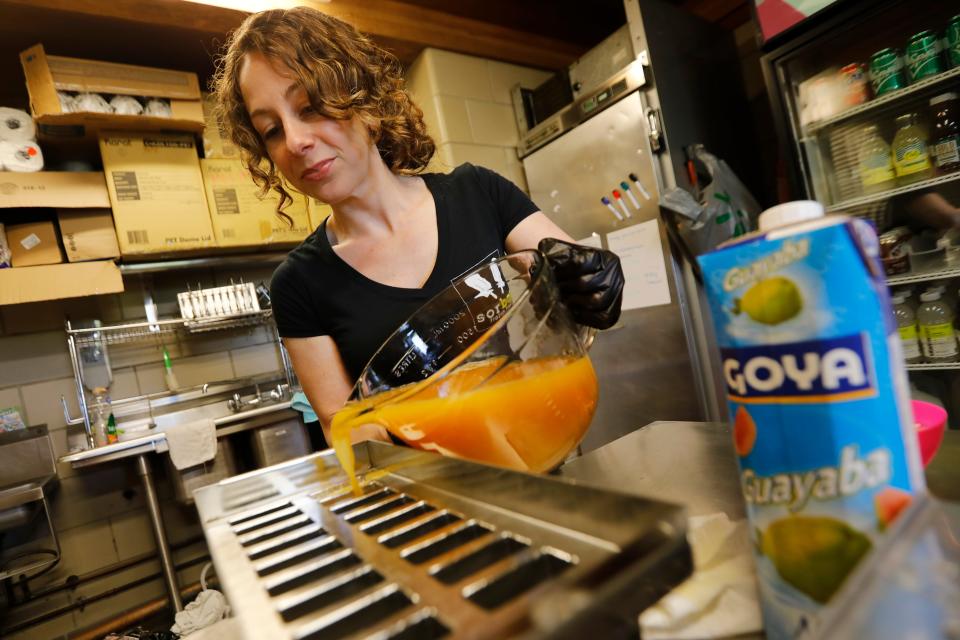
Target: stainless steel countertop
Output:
{"points": [[157, 441], [687, 463]]}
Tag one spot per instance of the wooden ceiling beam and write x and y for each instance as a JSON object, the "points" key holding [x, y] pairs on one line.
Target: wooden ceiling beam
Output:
{"points": [[406, 27], [399, 21]]}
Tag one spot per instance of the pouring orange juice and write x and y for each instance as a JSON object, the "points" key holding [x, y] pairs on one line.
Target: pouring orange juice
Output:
{"points": [[493, 369]]}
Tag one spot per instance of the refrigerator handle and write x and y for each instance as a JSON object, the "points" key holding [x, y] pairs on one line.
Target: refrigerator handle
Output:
{"points": [[655, 131]]}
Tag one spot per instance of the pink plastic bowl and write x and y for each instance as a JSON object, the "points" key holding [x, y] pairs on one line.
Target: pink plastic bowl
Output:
{"points": [[930, 420]]}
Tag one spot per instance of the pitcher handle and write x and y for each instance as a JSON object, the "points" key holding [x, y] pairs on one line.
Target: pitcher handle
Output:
{"points": [[586, 335]]}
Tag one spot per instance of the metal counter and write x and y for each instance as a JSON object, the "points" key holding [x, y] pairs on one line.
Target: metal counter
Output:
{"points": [[688, 463]]}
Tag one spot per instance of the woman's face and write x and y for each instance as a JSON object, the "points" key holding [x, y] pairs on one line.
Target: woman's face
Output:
{"points": [[323, 158]]}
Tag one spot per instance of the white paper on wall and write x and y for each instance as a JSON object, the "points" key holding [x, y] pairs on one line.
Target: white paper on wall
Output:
{"points": [[644, 269]]}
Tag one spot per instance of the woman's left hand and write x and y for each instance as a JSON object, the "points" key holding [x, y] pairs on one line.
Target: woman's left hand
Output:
{"points": [[590, 281]]}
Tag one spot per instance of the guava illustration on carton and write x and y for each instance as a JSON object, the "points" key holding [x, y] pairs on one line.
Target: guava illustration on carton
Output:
{"points": [[771, 301], [814, 554], [888, 503], [744, 432]]}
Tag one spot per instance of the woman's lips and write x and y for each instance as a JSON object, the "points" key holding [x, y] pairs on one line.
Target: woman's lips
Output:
{"points": [[318, 171]]}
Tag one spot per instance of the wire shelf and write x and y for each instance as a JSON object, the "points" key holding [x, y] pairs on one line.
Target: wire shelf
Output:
{"points": [[885, 99], [886, 195], [143, 331], [911, 277], [939, 366]]}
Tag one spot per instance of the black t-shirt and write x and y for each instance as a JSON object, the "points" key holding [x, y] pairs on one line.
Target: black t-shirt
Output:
{"points": [[315, 293]]}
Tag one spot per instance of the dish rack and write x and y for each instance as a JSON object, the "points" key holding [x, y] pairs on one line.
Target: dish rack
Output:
{"points": [[87, 344], [435, 547]]}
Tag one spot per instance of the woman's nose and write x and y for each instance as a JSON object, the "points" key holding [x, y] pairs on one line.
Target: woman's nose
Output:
{"points": [[298, 136]]}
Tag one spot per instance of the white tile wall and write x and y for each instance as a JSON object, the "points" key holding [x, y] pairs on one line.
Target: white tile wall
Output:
{"points": [[42, 402], [468, 109]]}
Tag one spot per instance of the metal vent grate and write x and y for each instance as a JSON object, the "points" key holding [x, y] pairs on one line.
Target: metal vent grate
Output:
{"points": [[433, 548]]}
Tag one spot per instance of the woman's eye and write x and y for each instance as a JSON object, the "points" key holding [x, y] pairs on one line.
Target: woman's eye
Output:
{"points": [[308, 111], [270, 133]]}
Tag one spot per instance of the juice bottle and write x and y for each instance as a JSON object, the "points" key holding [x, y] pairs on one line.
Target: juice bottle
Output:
{"points": [[935, 321], [911, 158], [876, 165], [819, 401], [946, 132], [907, 327]]}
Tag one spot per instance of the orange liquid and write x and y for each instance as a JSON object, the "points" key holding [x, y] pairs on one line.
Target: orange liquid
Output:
{"points": [[526, 415]]}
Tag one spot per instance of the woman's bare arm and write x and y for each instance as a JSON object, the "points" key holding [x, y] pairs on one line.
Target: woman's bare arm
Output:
{"points": [[326, 383]]}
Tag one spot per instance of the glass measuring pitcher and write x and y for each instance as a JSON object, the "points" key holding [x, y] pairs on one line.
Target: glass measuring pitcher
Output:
{"points": [[492, 369]]}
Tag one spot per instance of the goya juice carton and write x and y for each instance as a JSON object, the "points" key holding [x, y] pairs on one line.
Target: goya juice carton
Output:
{"points": [[818, 397]]}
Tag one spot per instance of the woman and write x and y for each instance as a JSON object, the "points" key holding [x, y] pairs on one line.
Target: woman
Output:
{"points": [[318, 106]]}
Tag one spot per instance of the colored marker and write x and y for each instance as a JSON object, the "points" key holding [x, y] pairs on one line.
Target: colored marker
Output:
{"points": [[636, 181], [605, 200], [616, 196], [626, 189]]}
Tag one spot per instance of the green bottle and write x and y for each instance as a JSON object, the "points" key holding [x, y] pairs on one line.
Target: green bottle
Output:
{"points": [[112, 430]]}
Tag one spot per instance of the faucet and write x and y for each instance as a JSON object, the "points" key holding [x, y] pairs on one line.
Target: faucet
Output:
{"points": [[237, 404]]}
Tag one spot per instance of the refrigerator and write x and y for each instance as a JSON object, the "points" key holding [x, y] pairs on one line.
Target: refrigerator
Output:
{"points": [[664, 81], [858, 92]]}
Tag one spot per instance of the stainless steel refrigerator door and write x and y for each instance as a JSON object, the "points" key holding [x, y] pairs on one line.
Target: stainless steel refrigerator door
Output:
{"points": [[643, 363]]}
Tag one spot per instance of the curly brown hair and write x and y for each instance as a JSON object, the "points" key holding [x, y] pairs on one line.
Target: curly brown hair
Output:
{"points": [[344, 74]]}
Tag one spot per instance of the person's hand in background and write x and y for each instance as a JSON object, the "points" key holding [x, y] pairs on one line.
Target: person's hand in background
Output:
{"points": [[590, 281]]}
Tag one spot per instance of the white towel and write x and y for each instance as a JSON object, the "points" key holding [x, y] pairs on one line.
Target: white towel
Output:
{"points": [[192, 443], [720, 598]]}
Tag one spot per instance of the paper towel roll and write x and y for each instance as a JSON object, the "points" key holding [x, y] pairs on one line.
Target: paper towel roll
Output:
{"points": [[68, 103], [16, 125], [158, 107], [23, 157], [92, 102], [126, 105]]}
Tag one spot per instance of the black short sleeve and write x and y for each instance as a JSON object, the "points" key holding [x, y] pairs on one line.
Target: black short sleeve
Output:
{"points": [[511, 204], [290, 298]]}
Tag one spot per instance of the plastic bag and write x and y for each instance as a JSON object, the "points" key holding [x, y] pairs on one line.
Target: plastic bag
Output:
{"points": [[725, 208]]}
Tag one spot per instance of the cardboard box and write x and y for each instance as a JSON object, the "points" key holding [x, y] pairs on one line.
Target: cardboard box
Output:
{"points": [[57, 281], [240, 217], [33, 244], [318, 212], [156, 191], [88, 234], [53, 189], [46, 74], [216, 144]]}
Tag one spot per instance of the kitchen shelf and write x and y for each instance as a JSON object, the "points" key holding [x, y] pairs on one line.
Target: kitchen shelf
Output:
{"points": [[940, 273], [138, 331], [885, 99], [934, 367], [200, 262], [886, 195]]}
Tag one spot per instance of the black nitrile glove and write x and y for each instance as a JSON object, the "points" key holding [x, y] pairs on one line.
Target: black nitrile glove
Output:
{"points": [[590, 281]]}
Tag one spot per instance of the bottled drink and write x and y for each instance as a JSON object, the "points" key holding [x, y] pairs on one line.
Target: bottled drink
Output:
{"points": [[946, 132], [98, 417], [907, 327], [818, 398], [876, 165], [911, 159], [935, 321]]}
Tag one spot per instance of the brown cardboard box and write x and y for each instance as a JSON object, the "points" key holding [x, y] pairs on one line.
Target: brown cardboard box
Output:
{"points": [[318, 212], [240, 217], [46, 74], [56, 281], [156, 191], [88, 234], [53, 189], [33, 244], [216, 144]]}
